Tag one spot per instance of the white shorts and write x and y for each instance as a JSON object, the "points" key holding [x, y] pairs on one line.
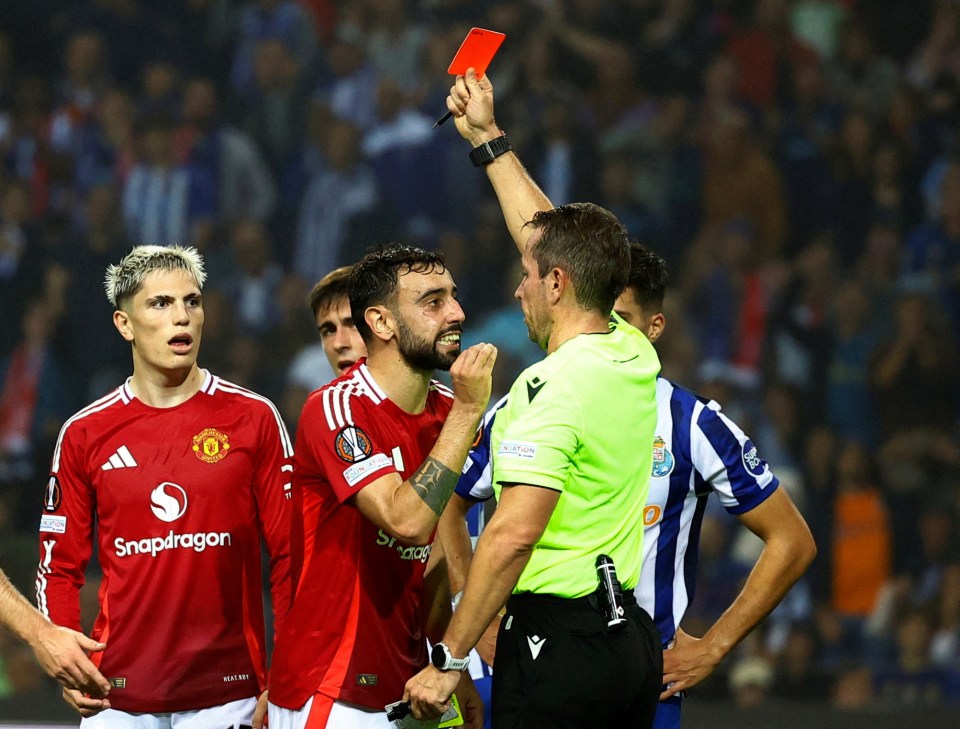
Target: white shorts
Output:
{"points": [[233, 715], [321, 712]]}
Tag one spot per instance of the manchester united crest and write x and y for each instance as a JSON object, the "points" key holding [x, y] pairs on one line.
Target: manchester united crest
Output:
{"points": [[211, 445]]}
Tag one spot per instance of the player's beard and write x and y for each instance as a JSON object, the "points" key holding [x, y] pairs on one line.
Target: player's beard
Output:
{"points": [[424, 355]]}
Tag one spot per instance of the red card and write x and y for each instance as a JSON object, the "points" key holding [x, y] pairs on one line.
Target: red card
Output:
{"points": [[476, 51]]}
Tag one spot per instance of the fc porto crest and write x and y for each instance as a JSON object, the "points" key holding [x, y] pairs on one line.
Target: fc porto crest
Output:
{"points": [[210, 445], [353, 445], [662, 458]]}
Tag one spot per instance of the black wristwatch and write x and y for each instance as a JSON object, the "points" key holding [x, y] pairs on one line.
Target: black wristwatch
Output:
{"points": [[441, 658], [489, 151]]}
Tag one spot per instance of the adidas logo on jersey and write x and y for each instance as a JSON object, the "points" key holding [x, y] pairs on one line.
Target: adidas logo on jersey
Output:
{"points": [[121, 459]]}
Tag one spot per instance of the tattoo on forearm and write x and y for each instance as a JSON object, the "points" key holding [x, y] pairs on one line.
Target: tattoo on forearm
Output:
{"points": [[434, 483]]}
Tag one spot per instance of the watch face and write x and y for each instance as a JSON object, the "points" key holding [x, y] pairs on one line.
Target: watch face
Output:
{"points": [[438, 656]]}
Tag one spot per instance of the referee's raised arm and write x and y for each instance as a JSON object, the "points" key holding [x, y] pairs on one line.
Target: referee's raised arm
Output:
{"points": [[471, 102]]}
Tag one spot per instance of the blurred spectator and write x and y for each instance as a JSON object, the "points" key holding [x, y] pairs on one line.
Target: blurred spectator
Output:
{"points": [[742, 183], [617, 194], [98, 355], [933, 249], [751, 680], [21, 257], [341, 190], [34, 403], [395, 42], [398, 147], [798, 344], [159, 85], [564, 158], [85, 79], [849, 407], [766, 53], [913, 679], [731, 302], [805, 133], [912, 370], [860, 549], [945, 647], [107, 151], [283, 21], [940, 52], [859, 76], [273, 113], [798, 676], [853, 688], [818, 23], [245, 187], [850, 184], [347, 91], [252, 288], [163, 200]]}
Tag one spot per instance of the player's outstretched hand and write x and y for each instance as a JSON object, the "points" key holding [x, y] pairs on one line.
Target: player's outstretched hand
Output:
{"points": [[471, 103], [472, 376], [687, 663], [84, 705], [260, 713], [62, 654]]}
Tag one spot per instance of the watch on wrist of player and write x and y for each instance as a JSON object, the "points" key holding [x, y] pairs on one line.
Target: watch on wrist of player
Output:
{"points": [[443, 660], [487, 152]]}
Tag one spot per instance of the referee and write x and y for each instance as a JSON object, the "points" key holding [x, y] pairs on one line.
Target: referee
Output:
{"points": [[570, 486]]}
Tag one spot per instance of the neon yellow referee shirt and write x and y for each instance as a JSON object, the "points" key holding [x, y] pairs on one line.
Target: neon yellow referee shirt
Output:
{"points": [[580, 422]]}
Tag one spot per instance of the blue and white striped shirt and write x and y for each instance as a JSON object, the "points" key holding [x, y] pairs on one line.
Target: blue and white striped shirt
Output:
{"points": [[697, 451]]}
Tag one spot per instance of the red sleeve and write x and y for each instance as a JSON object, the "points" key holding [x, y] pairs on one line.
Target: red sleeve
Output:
{"points": [[346, 447], [66, 532], [276, 512]]}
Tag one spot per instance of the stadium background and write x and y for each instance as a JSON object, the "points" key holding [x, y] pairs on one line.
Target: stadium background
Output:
{"points": [[796, 161]]}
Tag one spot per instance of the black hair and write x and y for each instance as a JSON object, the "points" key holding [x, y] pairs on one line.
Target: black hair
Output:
{"points": [[648, 277], [374, 278]]}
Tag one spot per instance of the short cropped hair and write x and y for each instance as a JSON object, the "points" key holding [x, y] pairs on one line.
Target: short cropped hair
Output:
{"points": [[591, 245], [330, 289], [648, 277], [374, 278], [126, 278]]}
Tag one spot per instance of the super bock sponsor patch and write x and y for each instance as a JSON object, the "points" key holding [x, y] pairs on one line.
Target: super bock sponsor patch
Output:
{"points": [[751, 459]]}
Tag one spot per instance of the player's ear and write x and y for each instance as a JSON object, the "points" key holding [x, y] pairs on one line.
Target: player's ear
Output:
{"points": [[558, 283], [381, 322], [655, 326], [122, 322]]}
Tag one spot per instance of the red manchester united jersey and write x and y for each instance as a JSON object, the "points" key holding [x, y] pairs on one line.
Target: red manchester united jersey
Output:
{"points": [[356, 629], [180, 497]]}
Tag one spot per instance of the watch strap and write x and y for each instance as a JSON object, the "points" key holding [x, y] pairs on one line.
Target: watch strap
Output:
{"points": [[449, 662], [489, 151]]}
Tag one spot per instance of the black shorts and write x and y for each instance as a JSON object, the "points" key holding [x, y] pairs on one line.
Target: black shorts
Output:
{"points": [[557, 666]]}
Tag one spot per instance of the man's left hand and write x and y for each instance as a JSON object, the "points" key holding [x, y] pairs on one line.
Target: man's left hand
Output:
{"points": [[687, 663], [429, 692]]}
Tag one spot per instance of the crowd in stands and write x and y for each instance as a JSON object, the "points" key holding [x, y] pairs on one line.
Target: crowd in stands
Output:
{"points": [[797, 162]]}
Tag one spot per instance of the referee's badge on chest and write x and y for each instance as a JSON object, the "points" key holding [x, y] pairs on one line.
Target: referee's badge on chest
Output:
{"points": [[662, 458]]}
